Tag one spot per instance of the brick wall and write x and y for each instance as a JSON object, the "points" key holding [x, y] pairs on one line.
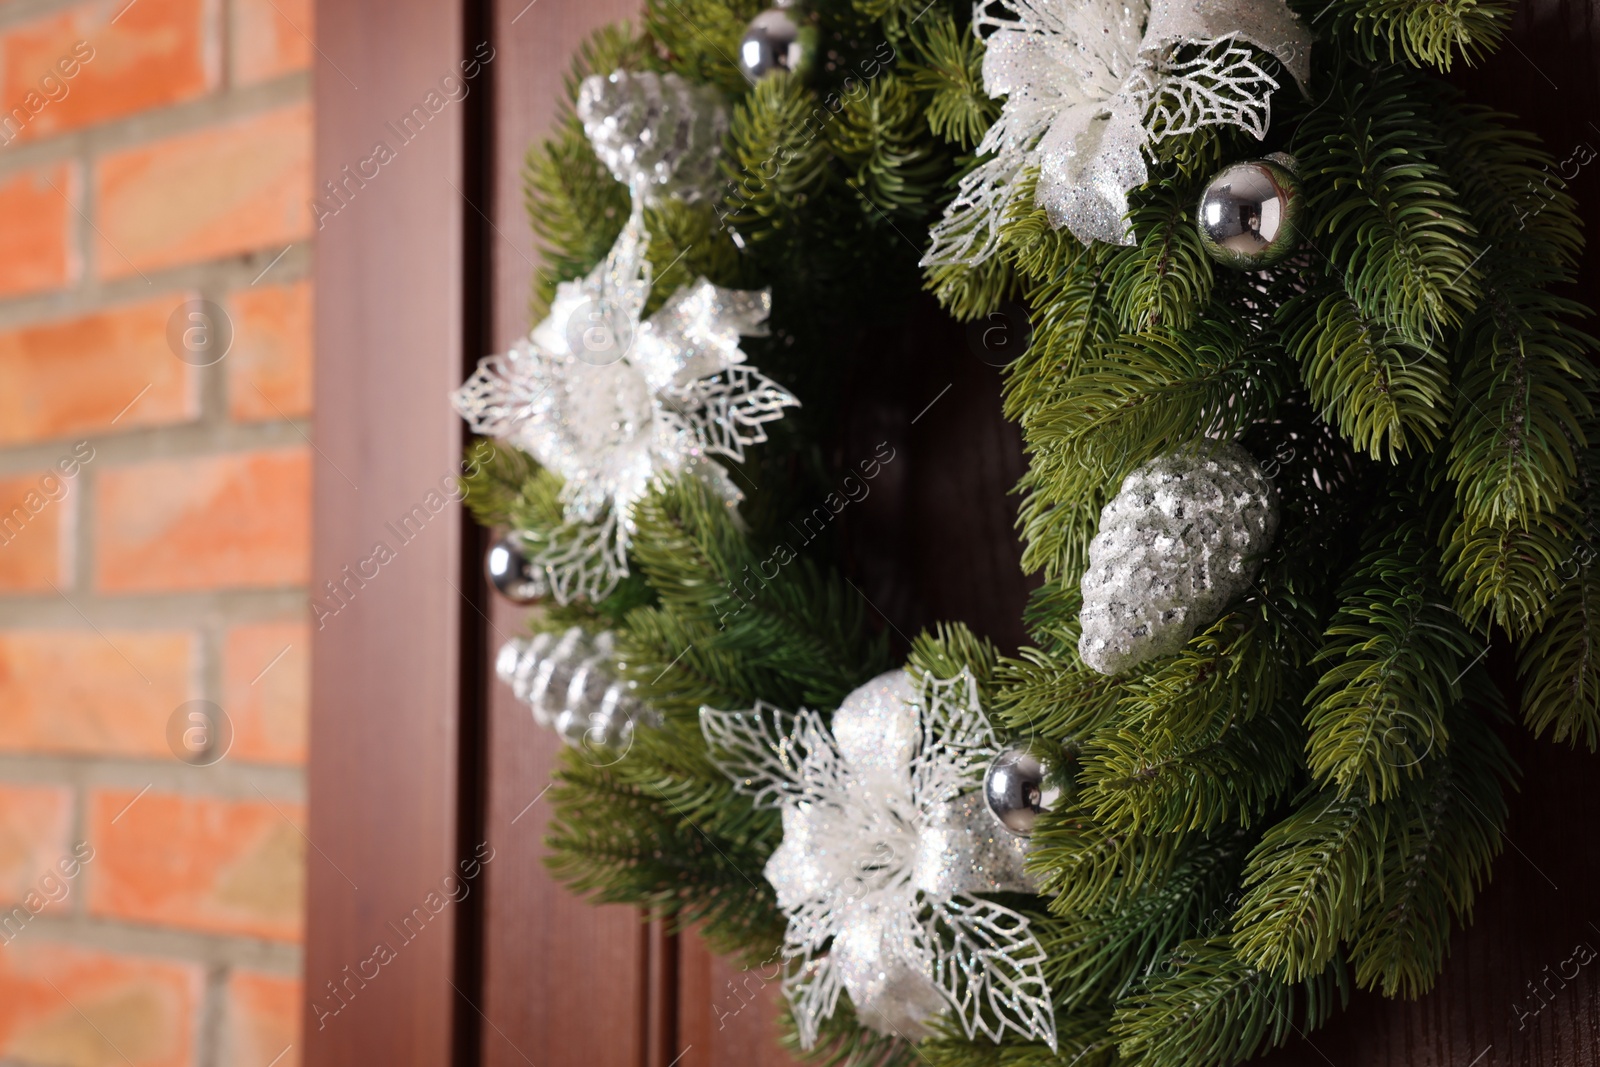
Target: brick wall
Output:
{"points": [[154, 529]]}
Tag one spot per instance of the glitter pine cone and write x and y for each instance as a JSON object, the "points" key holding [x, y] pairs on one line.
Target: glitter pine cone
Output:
{"points": [[1180, 541], [567, 681], [657, 134]]}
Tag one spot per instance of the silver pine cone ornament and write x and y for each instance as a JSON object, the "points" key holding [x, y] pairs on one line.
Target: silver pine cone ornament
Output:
{"points": [[567, 680], [657, 134], [1180, 541]]}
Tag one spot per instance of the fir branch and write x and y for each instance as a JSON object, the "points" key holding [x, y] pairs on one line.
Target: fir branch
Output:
{"points": [[1443, 835], [1559, 667], [1432, 32], [1082, 864], [950, 72], [1053, 696], [842, 1041], [702, 37], [1507, 574], [1523, 402], [1212, 1009], [1082, 1040], [1100, 954], [1164, 281], [1305, 885], [1385, 395], [611, 841], [776, 162], [1229, 774], [1394, 657], [952, 648], [1381, 210], [876, 136], [1150, 393]]}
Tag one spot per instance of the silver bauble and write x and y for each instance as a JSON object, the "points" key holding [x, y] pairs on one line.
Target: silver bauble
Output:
{"points": [[1250, 215], [1179, 542], [657, 133], [776, 40], [512, 573], [1015, 789], [567, 681]]}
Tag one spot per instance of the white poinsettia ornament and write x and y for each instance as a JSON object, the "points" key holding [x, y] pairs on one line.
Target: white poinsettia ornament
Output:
{"points": [[1089, 84], [885, 841], [613, 402]]}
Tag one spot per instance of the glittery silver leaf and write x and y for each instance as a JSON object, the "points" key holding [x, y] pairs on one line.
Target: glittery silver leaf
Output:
{"points": [[992, 969], [812, 986], [1088, 86], [615, 405], [657, 133], [1179, 542], [882, 842], [569, 684]]}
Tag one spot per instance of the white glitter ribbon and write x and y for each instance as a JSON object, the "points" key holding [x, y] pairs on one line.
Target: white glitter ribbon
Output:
{"points": [[1089, 85], [883, 843]]}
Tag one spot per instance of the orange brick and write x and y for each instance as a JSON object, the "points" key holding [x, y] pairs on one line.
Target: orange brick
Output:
{"points": [[157, 52], [217, 192], [269, 366], [76, 376], [198, 862], [266, 690], [37, 250], [73, 1007], [77, 691], [270, 38], [221, 522], [35, 522], [263, 1020], [35, 822]]}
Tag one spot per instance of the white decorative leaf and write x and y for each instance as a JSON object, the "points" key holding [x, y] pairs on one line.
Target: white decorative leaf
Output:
{"points": [[811, 984], [730, 410], [773, 755], [1221, 85], [991, 969], [580, 559], [957, 742]]}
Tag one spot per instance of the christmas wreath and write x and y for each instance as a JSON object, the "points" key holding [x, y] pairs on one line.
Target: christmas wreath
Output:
{"points": [[1307, 431]]}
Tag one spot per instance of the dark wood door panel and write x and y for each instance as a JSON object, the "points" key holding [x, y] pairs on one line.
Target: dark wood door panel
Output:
{"points": [[386, 677], [727, 1014]]}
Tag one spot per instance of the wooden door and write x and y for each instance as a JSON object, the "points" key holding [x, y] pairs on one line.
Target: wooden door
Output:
{"points": [[421, 763]]}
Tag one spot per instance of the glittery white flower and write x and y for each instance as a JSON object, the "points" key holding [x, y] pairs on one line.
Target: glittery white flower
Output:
{"points": [[615, 405], [1088, 85], [884, 841]]}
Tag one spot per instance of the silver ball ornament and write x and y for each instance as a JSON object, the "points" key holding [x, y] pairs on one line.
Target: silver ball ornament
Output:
{"points": [[1015, 790], [1250, 215], [776, 40], [512, 573]]}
